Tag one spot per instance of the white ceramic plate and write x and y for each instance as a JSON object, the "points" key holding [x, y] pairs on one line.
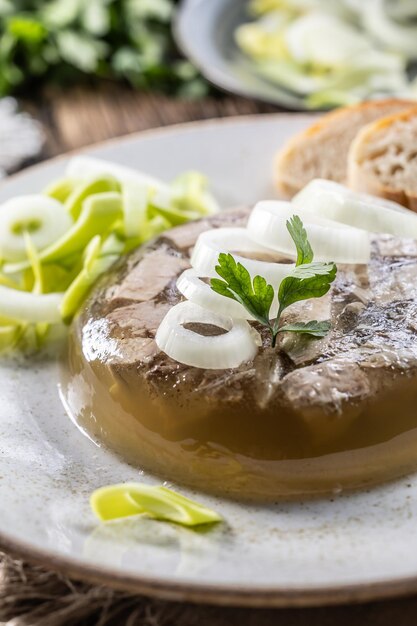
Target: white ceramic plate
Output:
{"points": [[358, 546]]}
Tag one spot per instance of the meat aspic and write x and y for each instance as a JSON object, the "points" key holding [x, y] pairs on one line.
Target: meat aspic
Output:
{"points": [[309, 416]]}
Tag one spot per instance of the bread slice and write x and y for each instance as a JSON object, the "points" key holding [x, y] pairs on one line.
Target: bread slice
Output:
{"points": [[383, 159], [321, 151]]}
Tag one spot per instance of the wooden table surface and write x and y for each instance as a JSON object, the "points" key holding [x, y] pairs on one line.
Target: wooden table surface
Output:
{"points": [[82, 116]]}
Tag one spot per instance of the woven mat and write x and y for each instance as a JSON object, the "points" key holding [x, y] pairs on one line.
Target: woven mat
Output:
{"points": [[33, 596]]}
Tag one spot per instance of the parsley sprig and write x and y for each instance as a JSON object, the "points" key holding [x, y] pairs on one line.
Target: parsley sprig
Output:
{"points": [[309, 279]]}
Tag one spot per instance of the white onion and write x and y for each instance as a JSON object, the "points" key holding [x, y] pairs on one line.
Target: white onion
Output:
{"points": [[237, 345], [30, 307], [330, 200], [197, 291], [330, 240], [212, 242], [43, 217]]}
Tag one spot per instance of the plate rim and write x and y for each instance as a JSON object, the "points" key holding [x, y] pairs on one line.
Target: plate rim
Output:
{"points": [[152, 586], [162, 130], [205, 593]]}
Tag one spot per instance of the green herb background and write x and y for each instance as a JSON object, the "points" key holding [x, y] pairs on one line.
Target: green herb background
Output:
{"points": [[68, 41]]}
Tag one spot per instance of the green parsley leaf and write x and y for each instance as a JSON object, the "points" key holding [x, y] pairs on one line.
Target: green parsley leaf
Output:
{"points": [[306, 281], [313, 328], [256, 296], [299, 236]]}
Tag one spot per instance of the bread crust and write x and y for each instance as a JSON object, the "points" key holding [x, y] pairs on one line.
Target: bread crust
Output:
{"points": [[285, 177], [362, 179]]}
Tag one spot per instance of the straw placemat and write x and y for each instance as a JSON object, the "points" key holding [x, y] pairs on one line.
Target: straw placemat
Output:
{"points": [[33, 596]]}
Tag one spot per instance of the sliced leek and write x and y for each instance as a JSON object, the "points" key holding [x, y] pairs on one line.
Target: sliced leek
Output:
{"points": [[44, 218], [324, 40], [135, 199], [54, 246], [9, 336], [75, 201], [190, 194], [61, 189], [98, 259], [30, 307], [127, 499], [99, 213], [396, 36], [86, 168], [329, 52]]}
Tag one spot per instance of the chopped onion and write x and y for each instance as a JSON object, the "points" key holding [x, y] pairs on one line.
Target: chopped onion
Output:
{"points": [[30, 307], [228, 350], [197, 291], [330, 200], [212, 242], [44, 218], [330, 240]]}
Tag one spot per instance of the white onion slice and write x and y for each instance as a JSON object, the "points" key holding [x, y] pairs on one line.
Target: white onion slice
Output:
{"points": [[30, 307], [330, 200], [197, 291], [330, 240], [43, 217], [237, 345], [212, 242]]}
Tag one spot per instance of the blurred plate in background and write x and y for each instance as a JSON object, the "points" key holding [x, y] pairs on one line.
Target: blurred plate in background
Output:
{"points": [[333, 53], [205, 33]]}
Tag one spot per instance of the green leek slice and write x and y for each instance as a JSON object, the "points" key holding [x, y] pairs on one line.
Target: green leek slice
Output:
{"points": [[44, 218], [74, 202], [30, 307], [126, 499], [61, 189], [176, 217], [98, 259], [119, 209], [8, 336], [190, 194], [99, 213], [135, 207]]}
